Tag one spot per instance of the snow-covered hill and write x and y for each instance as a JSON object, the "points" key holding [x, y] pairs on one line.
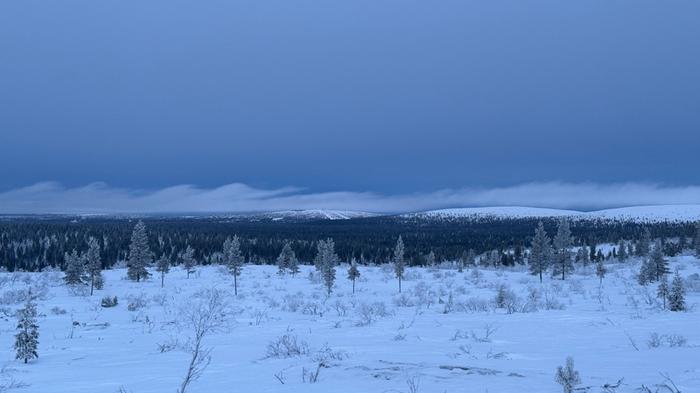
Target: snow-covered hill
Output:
{"points": [[315, 214], [495, 212], [653, 213]]}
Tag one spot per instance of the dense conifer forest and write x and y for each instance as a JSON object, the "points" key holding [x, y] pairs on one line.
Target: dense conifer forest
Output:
{"points": [[35, 242]]}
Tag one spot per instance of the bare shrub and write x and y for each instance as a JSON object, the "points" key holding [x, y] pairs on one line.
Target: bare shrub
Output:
{"points": [[287, 346], [207, 314]]}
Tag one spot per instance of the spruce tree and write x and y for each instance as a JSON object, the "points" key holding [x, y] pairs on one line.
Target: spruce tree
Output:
{"points": [[140, 255], [326, 259], [562, 242], [696, 241], [94, 265], [663, 291], [621, 251], [676, 298], [287, 260], [163, 267], [75, 268], [644, 243], [188, 261], [657, 262], [234, 259], [27, 337], [540, 252], [399, 261], [353, 274]]}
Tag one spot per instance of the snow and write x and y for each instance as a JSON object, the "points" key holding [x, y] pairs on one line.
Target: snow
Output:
{"points": [[652, 213], [314, 214], [495, 212], [101, 350]]}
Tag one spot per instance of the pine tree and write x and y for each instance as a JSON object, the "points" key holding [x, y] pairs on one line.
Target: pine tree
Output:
{"points": [[287, 260], [399, 262], [696, 241], [540, 252], [163, 267], [562, 242], [75, 268], [188, 261], [621, 251], [94, 265], [676, 298], [326, 259], [27, 338], [663, 291], [140, 255], [234, 259], [600, 270], [353, 274]]}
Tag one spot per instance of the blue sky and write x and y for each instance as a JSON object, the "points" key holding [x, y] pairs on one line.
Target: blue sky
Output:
{"points": [[389, 97]]}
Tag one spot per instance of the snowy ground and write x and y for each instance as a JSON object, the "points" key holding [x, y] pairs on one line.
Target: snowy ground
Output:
{"points": [[373, 341]]}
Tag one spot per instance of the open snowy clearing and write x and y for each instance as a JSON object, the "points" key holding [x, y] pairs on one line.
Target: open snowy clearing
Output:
{"points": [[442, 334]]}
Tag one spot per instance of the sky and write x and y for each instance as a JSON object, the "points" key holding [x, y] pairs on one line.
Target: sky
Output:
{"points": [[335, 100]]}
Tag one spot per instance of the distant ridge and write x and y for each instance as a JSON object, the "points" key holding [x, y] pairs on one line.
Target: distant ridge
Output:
{"points": [[651, 213]]}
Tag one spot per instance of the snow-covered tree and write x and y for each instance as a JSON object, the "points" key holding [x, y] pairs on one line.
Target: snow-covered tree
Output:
{"points": [[658, 263], [467, 259], [561, 243], [399, 261], [93, 263], [163, 267], [27, 337], [644, 243], [140, 255], [696, 241], [326, 259], [287, 260], [233, 259], [353, 273], [663, 291], [621, 251], [430, 259], [540, 252], [600, 270], [582, 256], [676, 298], [74, 268], [188, 261], [567, 376]]}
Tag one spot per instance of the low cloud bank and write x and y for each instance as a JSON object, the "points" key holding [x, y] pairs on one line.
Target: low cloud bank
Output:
{"points": [[51, 197]]}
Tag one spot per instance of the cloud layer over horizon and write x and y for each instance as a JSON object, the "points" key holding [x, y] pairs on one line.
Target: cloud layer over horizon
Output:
{"points": [[52, 197]]}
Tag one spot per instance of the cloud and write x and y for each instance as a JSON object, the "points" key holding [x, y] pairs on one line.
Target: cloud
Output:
{"points": [[51, 197]]}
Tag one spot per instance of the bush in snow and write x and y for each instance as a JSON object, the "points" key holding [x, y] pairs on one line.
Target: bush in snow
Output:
{"points": [[109, 302], [287, 346], [567, 376]]}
